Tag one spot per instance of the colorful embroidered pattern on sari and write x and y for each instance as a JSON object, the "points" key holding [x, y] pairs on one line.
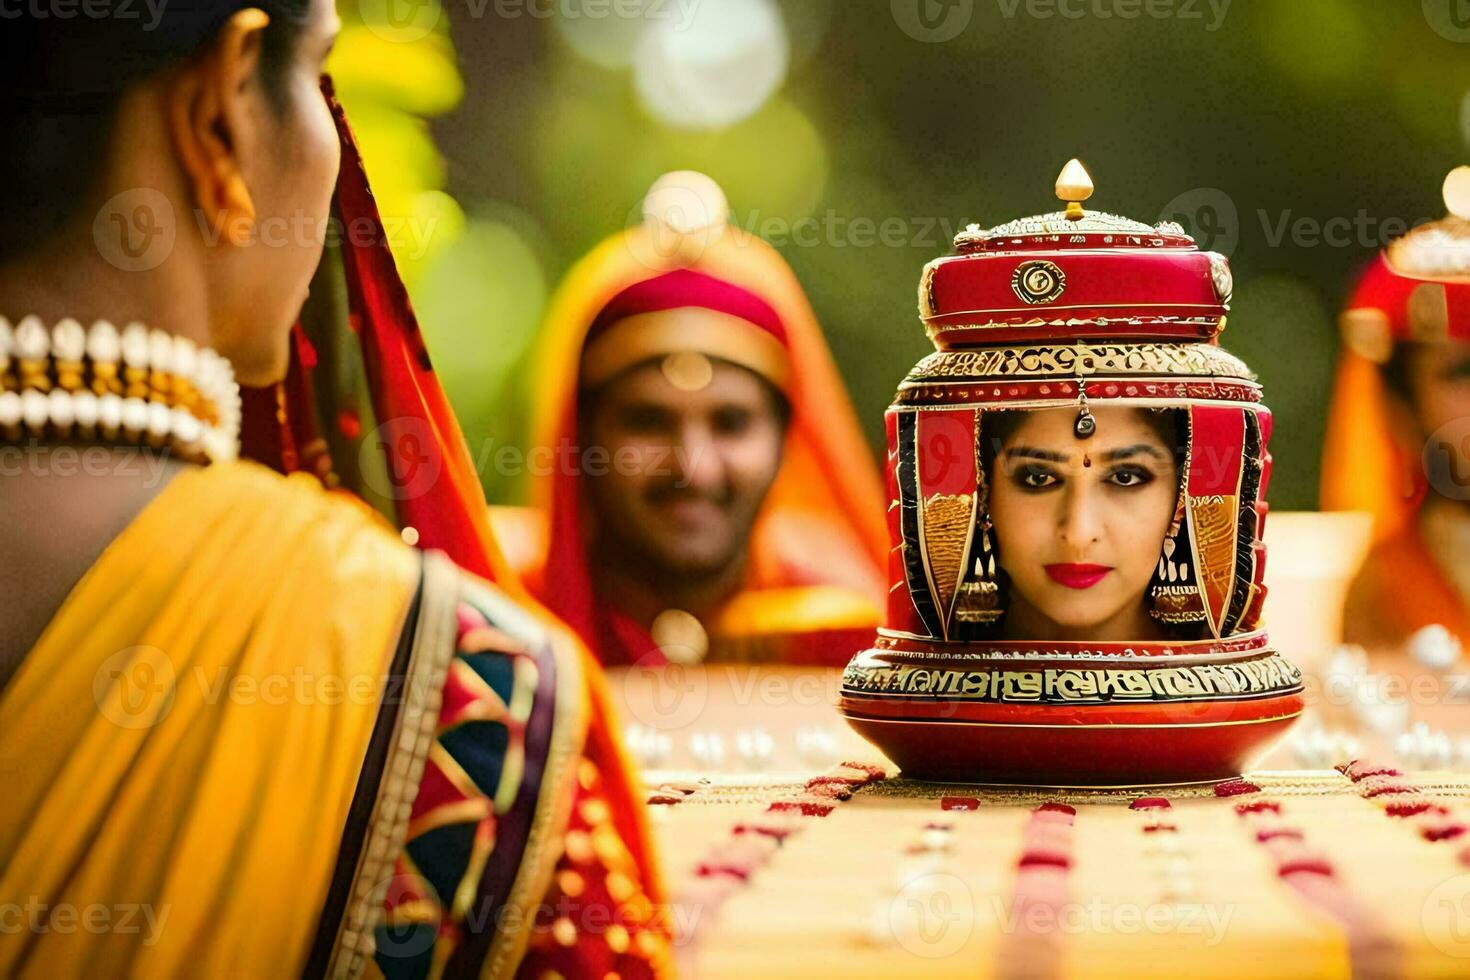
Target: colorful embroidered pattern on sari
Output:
{"points": [[471, 822]]}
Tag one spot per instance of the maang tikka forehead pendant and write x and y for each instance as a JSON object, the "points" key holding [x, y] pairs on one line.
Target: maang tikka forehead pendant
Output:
{"points": [[1086, 425], [1059, 312]]}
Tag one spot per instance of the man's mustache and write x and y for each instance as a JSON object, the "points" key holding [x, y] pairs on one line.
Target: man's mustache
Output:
{"points": [[665, 493]]}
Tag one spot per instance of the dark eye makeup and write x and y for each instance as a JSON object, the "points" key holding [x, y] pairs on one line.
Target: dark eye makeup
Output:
{"points": [[1128, 477], [1029, 476], [1036, 478], [1457, 371]]}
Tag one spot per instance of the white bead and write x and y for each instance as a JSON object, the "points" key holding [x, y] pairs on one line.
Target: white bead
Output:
{"points": [[198, 370], [229, 450], [708, 748], [207, 374], [215, 444], [229, 444], [34, 408], [1441, 751], [1406, 748], [229, 406], [32, 342], [186, 427], [161, 351], [219, 385], [84, 404], [60, 408], [1435, 647], [109, 411], [135, 345], [159, 419], [186, 357], [69, 340], [134, 414], [102, 343]]}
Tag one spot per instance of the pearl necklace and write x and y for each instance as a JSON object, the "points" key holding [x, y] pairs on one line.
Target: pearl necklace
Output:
{"points": [[137, 387]]}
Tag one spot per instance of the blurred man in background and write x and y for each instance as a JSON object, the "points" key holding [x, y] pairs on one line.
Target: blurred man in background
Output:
{"points": [[710, 494], [1398, 443]]}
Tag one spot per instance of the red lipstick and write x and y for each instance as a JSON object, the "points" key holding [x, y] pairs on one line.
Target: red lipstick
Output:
{"points": [[1077, 576]]}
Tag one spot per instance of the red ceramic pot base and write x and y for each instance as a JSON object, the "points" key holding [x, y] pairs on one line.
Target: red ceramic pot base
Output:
{"points": [[1104, 757]]}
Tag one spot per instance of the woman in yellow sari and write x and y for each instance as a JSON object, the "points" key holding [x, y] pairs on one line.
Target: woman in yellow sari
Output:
{"points": [[247, 730]]}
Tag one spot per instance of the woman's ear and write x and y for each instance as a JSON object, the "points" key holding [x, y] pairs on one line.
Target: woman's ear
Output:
{"points": [[209, 123]]}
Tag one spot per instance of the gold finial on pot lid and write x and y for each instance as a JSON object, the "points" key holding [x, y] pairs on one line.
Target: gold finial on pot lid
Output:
{"points": [[1457, 192], [1074, 186]]}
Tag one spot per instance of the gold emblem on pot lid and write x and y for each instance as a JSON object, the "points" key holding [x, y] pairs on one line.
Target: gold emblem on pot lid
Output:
{"points": [[1039, 281]]}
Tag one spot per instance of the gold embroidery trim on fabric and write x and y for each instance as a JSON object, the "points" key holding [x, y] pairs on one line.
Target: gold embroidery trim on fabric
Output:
{"points": [[1079, 360], [553, 812], [403, 768]]}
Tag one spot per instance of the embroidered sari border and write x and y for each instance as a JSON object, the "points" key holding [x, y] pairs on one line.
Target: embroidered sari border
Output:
{"points": [[402, 768]]}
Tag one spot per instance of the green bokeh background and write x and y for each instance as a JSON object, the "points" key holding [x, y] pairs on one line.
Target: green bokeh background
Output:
{"points": [[1295, 134]]}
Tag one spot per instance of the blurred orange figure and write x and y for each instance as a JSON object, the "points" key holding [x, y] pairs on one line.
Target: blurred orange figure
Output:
{"points": [[1398, 441], [709, 493]]}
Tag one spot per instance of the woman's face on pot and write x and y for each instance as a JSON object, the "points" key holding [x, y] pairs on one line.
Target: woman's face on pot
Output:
{"points": [[1080, 523]]}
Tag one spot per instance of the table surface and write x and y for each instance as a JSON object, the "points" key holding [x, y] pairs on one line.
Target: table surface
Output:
{"points": [[1310, 875]]}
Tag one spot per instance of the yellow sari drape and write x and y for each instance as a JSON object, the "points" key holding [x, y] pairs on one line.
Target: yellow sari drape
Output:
{"points": [[182, 744]]}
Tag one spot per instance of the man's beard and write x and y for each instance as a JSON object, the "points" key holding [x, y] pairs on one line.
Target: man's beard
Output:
{"points": [[665, 561]]}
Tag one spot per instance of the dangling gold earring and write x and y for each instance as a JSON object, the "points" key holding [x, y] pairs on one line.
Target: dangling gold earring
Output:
{"points": [[1173, 597], [979, 600]]}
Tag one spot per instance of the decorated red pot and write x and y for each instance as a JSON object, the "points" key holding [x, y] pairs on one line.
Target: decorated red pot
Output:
{"points": [[1082, 311]]}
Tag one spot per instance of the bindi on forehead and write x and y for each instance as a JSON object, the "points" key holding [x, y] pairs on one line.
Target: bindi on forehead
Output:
{"points": [[680, 380]]}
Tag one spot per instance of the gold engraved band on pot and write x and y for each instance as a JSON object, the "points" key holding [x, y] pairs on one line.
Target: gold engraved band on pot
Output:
{"points": [[1197, 328], [1262, 677], [1079, 360]]}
